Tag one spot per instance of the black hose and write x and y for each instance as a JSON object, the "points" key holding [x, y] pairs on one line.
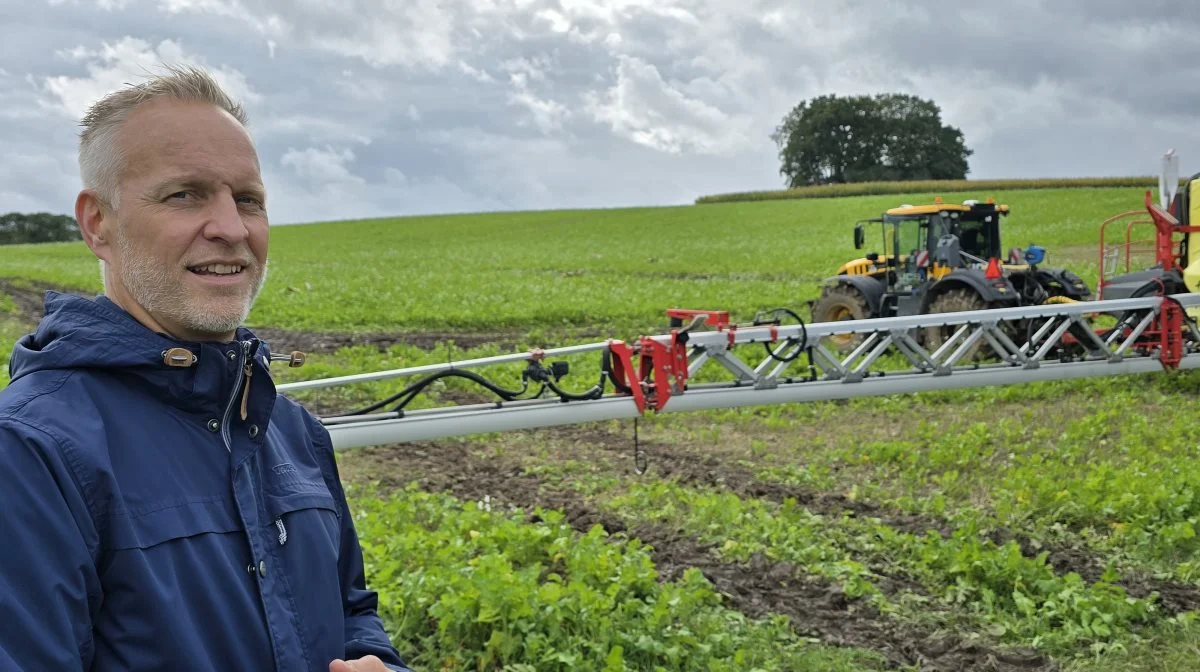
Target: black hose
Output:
{"points": [[803, 340], [412, 390], [535, 372], [596, 390]]}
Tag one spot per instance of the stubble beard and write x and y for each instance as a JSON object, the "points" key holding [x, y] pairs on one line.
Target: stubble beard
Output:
{"points": [[162, 294]]}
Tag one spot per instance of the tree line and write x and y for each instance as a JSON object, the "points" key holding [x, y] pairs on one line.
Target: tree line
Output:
{"points": [[877, 138], [37, 227]]}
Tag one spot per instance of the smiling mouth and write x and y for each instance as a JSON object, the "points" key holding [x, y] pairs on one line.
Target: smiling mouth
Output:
{"points": [[217, 269]]}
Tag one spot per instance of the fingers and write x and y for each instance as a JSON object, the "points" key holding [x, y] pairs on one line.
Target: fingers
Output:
{"points": [[365, 664]]}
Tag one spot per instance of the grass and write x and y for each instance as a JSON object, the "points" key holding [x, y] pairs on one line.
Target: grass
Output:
{"points": [[1101, 468], [613, 270]]}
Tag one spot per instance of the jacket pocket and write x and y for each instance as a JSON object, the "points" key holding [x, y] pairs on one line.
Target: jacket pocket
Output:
{"points": [[313, 496], [305, 509]]}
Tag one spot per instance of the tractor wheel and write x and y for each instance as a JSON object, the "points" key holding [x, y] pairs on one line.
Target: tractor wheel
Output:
{"points": [[841, 302], [953, 301]]}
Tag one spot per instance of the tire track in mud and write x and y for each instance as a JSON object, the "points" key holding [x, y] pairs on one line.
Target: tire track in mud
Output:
{"points": [[711, 471], [815, 606]]}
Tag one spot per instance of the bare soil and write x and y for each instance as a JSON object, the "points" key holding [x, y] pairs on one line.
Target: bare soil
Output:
{"points": [[31, 302], [711, 470], [284, 340]]}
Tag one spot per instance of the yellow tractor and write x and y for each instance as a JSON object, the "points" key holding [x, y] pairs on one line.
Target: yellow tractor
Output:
{"points": [[939, 257]]}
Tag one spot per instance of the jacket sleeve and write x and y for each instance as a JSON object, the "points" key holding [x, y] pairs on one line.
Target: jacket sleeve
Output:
{"points": [[49, 587], [365, 634]]}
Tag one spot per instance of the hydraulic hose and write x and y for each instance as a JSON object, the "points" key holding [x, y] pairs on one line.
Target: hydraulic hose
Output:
{"points": [[802, 340], [410, 392], [536, 372]]}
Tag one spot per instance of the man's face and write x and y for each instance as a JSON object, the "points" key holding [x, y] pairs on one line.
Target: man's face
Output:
{"points": [[190, 231]]}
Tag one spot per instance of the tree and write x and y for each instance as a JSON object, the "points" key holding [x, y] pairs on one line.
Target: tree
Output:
{"points": [[38, 227], [887, 137]]}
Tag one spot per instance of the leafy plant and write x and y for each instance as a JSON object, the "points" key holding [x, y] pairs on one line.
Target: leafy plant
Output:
{"points": [[465, 587]]}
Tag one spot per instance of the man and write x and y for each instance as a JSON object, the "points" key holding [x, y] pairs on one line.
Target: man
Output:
{"points": [[161, 507]]}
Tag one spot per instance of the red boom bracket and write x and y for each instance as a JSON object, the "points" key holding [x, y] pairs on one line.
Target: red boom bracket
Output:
{"points": [[718, 319], [668, 364], [625, 374], [662, 370], [1170, 320]]}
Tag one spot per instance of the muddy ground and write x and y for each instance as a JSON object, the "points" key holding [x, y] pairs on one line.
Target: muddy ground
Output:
{"points": [[31, 302]]}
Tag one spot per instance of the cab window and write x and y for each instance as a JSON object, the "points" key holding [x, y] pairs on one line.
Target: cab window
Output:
{"points": [[911, 234], [972, 239]]}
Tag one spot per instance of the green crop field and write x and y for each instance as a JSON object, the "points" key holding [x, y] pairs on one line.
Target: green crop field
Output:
{"points": [[1039, 527]]}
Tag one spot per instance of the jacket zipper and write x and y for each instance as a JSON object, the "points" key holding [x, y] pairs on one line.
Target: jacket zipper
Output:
{"points": [[245, 372], [244, 365]]}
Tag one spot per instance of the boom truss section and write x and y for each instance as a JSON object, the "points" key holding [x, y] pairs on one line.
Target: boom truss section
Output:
{"points": [[712, 363]]}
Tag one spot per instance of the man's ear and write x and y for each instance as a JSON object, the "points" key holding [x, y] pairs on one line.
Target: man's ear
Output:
{"points": [[95, 221]]}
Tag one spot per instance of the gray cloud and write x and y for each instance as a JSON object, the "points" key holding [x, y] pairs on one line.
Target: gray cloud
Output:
{"points": [[374, 108]]}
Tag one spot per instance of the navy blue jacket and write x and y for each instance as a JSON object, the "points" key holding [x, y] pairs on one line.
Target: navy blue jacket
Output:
{"points": [[147, 526]]}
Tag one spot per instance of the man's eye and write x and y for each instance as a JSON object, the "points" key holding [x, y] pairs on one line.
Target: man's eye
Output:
{"points": [[179, 194]]}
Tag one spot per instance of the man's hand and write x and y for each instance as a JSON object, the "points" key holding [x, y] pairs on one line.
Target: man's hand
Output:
{"points": [[367, 664]]}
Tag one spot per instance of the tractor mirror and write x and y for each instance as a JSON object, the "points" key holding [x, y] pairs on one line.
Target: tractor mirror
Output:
{"points": [[859, 236]]}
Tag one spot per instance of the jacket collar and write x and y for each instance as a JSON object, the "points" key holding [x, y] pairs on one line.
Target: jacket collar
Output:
{"points": [[97, 334]]}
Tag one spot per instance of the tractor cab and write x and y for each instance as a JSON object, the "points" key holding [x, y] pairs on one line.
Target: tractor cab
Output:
{"points": [[978, 230], [926, 242]]}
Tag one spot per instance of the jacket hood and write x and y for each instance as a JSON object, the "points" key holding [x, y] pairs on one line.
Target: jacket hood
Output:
{"points": [[82, 333]]}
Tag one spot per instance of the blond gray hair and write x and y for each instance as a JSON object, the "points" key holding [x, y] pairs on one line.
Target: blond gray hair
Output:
{"points": [[100, 159]]}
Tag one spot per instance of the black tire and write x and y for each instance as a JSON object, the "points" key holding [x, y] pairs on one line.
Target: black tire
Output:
{"points": [[953, 301], [837, 303]]}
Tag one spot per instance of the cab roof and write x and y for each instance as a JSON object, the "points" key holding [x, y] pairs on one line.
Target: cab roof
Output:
{"points": [[938, 206]]}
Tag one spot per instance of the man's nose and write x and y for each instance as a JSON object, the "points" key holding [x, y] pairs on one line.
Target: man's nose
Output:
{"points": [[225, 220]]}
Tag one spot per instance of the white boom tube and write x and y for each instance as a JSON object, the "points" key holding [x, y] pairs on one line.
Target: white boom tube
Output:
{"points": [[842, 378], [486, 418]]}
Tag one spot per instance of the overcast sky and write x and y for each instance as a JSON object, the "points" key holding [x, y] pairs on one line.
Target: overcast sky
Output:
{"points": [[390, 107]]}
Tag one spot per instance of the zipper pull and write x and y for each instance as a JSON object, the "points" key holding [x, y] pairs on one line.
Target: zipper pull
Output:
{"points": [[249, 371]]}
